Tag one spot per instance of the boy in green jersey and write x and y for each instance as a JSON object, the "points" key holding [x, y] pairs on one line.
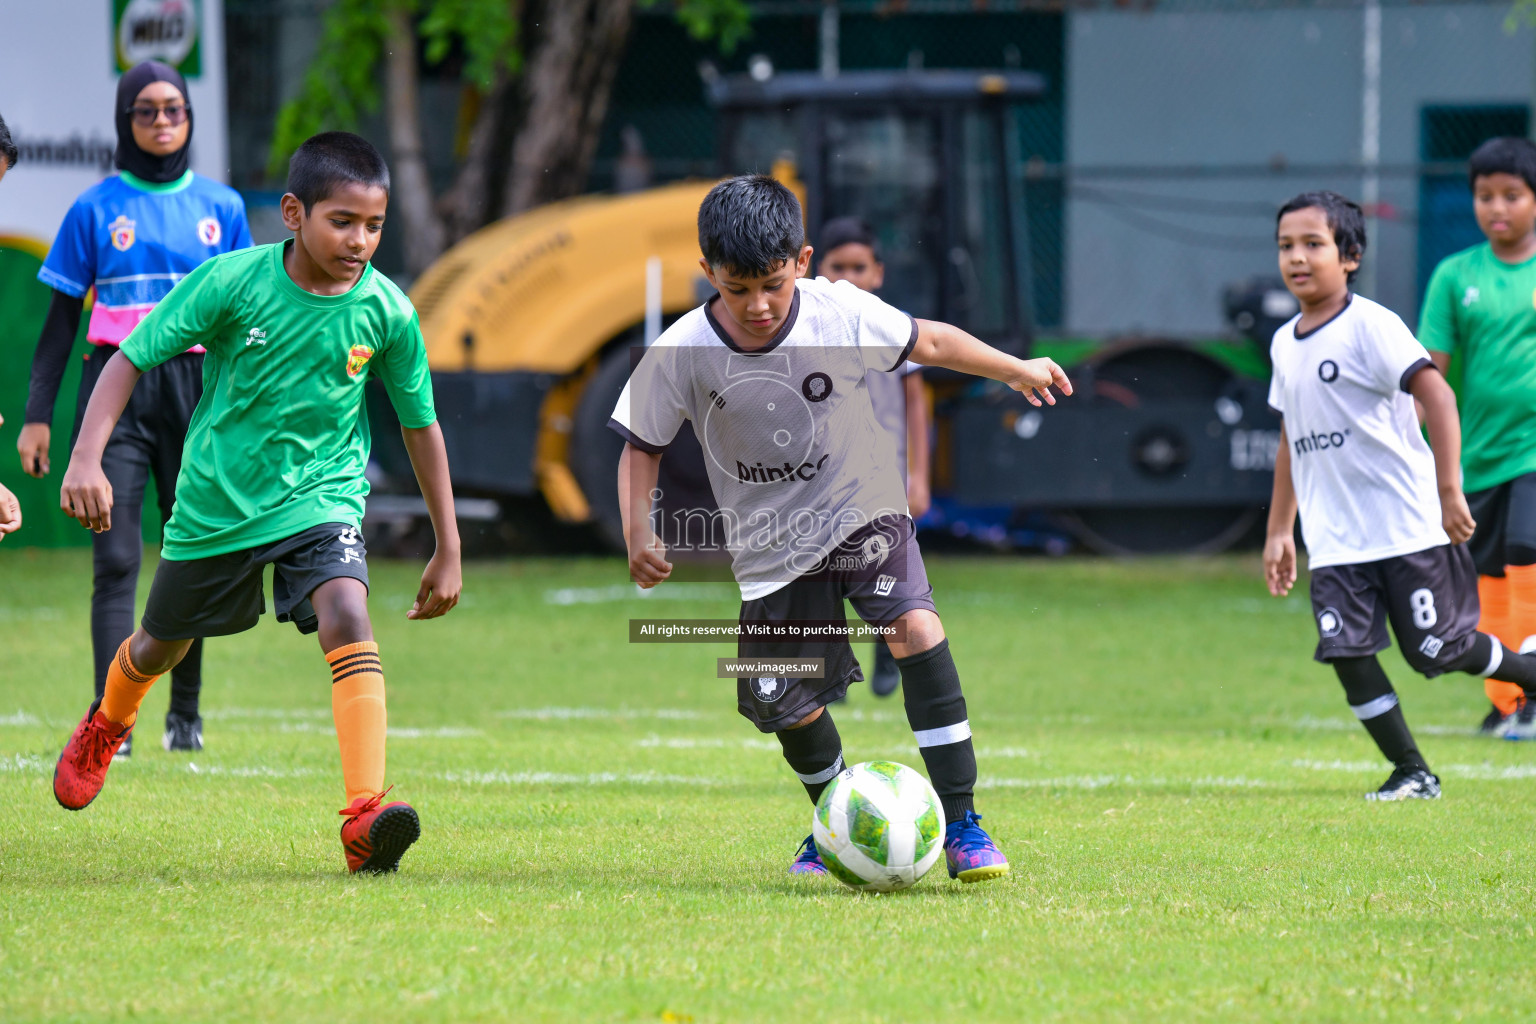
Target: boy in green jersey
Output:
{"points": [[273, 472], [1481, 307]]}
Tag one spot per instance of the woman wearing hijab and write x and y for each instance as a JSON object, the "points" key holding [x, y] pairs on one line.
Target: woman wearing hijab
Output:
{"points": [[132, 237]]}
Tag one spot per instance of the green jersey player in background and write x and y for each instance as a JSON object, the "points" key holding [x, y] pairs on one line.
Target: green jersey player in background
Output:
{"points": [[1480, 308]]}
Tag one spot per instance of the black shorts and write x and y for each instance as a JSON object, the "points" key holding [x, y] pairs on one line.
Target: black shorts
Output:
{"points": [[1506, 518], [160, 408], [880, 569], [222, 595], [1430, 597]]}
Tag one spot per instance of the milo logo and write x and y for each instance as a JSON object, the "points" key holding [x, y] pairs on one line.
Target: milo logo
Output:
{"points": [[163, 30]]}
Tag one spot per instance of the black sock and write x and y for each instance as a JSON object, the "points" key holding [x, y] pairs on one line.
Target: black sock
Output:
{"points": [[815, 752], [1374, 702], [187, 682], [936, 711], [1491, 659]]}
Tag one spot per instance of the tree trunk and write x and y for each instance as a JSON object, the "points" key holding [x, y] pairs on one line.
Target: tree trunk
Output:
{"points": [[566, 84], [411, 194], [471, 203]]}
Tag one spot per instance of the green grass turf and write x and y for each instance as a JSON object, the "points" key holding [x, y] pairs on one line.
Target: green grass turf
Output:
{"points": [[1177, 785]]}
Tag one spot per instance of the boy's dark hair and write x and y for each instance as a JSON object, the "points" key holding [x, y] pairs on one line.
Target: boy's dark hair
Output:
{"points": [[327, 161], [840, 231], [1345, 219], [750, 225], [1505, 154], [7, 147]]}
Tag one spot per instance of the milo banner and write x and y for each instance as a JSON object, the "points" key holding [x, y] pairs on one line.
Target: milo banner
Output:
{"points": [[58, 83]]}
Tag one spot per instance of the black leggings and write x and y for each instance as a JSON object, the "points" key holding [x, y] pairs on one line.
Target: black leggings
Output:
{"points": [[147, 441]]}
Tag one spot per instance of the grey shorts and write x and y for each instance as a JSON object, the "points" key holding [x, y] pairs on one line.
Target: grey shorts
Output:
{"points": [[221, 595], [879, 570], [1430, 597]]}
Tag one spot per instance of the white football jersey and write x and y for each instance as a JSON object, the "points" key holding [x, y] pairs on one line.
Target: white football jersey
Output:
{"points": [[796, 459], [1364, 476]]}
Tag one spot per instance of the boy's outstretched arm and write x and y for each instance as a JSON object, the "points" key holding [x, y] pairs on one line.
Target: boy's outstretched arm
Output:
{"points": [[940, 344], [1280, 537], [444, 576], [638, 471], [86, 495], [1443, 424]]}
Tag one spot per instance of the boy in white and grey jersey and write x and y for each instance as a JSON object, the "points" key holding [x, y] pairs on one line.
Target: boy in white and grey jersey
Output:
{"points": [[1382, 513], [772, 373], [788, 433]]}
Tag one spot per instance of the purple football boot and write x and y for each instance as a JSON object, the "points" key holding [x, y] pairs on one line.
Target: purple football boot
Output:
{"points": [[971, 854], [808, 860]]}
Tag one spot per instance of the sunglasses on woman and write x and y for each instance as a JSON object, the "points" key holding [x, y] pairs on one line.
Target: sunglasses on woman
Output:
{"points": [[175, 113]]}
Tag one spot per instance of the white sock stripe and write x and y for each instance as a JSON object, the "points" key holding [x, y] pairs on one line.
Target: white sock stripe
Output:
{"points": [[1495, 659], [1375, 708], [943, 735], [826, 774]]}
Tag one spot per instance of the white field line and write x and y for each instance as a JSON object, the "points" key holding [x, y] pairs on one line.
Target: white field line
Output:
{"points": [[20, 718], [590, 779], [1478, 772], [1267, 606], [281, 713], [1105, 781], [706, 742], [41, 613], [548, 714], [1350, 725], [654, 741], [395, 732], [251, 771], [632, 591]]}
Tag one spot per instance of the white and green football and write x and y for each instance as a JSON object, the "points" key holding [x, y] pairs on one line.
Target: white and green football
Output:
{"points": [[879, 826]]}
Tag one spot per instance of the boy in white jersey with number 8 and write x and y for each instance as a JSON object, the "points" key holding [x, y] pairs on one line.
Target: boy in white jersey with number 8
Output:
{"points": [[772, 372], [1382, 513]]}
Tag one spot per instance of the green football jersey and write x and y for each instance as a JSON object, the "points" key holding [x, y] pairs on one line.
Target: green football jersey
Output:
{"points": [[279, 442], [1484, 311]]}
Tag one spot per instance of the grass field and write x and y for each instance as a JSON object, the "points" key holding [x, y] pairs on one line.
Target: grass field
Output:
{"points": [[1177, 784]]}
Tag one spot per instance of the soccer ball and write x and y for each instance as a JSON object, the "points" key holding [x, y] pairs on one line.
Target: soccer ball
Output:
{"points": [[879, 826]]}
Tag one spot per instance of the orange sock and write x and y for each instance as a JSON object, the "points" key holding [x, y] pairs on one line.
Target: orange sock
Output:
{"points": [[126, 687], [1522, 604], [1504, 622], [357, 702]]}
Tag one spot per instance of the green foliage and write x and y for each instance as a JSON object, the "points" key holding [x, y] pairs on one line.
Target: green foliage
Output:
{"points": [[1177, 784], [342, 82], [727, 22], [486, 29]]}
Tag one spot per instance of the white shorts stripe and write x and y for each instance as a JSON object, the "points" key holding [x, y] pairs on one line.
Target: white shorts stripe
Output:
{"points": [[826, 775], [943, 735], [1374, 708], [1495, 659]]}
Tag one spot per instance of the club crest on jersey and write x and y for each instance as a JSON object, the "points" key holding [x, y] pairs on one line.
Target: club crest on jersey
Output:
{"points": [[768, 689], [1328, 371], [817, 387], [121, 233], [208, 231], [357, 358]]}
